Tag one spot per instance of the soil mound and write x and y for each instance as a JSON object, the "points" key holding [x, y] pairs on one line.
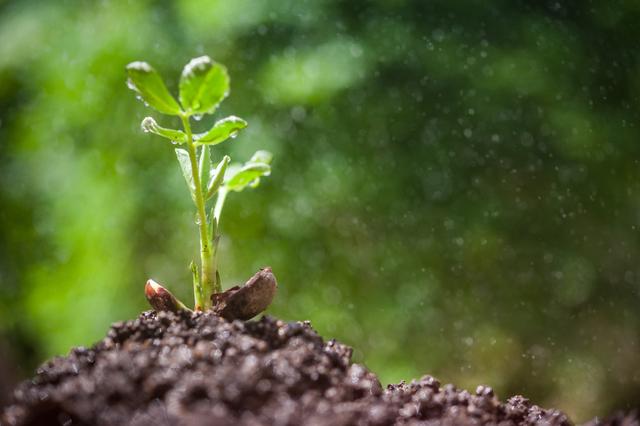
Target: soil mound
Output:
{"points": [[199, 369]]}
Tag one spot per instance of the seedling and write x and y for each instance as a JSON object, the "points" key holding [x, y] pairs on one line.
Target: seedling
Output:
{"points": [[203, 85]]}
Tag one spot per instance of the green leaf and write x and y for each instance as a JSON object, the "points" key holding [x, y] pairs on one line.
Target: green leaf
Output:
{"points": [[223, 129], [197, 288], [239, 177], [185, 165], [149, 125], [217, 177], [248, 176], [261, 156], [204, 166], [213, 230], [203, 85], [145, 81]]}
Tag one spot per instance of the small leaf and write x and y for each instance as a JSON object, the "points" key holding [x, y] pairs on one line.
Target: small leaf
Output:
{"points": [[213, 229], [144, 80], [203, 85], [185, 165], [261, 156], [197, 288], [149, 125], [247, 175], [204, 163], [217, 177], [239, 177], [223, 129]]}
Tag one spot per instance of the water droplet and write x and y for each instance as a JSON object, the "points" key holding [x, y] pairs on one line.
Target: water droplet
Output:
{"points": [[148, 125], [197, 117], [140, 66], [233, 135]]}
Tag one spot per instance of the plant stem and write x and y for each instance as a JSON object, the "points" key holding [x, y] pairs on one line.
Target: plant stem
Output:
{"points": [[208, 282]]}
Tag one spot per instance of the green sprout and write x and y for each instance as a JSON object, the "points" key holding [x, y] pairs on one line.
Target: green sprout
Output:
{"points": [[203, 86]]}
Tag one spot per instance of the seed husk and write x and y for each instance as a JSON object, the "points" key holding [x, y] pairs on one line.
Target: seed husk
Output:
{"points": [[246, 301], [161, 299]]}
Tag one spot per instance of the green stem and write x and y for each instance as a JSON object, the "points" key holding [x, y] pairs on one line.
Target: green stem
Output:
{"points": [[208, 276]]}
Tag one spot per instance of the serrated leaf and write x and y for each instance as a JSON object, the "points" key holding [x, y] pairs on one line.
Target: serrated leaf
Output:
{"points": [[149, 125], [247, 175], [203, 85], [223, 129], [185, 166], [217, 177], [144, 80]]}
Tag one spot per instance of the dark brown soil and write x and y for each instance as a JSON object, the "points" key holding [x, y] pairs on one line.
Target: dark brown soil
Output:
{"points": [[199, 369]]}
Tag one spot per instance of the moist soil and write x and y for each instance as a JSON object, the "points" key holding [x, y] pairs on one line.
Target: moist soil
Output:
{"points": [[200, 369]]}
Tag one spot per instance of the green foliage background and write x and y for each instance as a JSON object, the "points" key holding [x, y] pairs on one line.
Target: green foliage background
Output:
{"points": [[455, 190]]}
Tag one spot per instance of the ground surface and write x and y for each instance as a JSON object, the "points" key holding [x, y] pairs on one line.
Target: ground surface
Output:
{"points": [[193, 369]]}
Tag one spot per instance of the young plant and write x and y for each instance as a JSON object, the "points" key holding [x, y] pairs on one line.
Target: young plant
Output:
{"points": [[204, 84]]}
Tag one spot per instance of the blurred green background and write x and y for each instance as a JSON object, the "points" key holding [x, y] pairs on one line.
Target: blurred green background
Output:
{"points": [[455, 190]]}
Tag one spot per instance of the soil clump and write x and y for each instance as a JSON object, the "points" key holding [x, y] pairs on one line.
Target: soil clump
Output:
{"points": [[199, 369]]}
